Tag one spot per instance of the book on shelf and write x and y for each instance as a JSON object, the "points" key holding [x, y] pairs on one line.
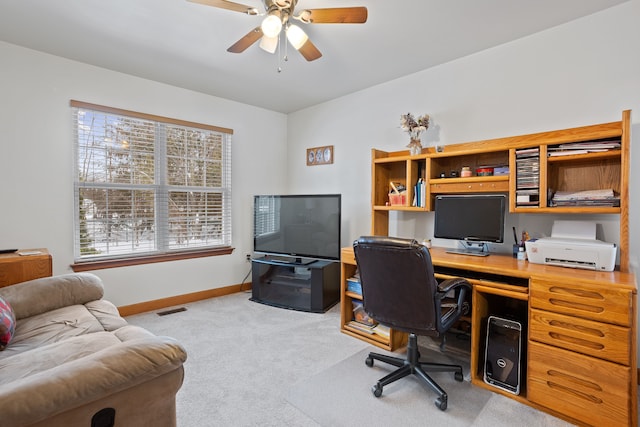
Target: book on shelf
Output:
{"points": [[382, 330], [568, 152], [572, 148], [361, 327], [527, 152], [611, 144], [377, 329], [354, 285], [419, 193], [361, 316]]}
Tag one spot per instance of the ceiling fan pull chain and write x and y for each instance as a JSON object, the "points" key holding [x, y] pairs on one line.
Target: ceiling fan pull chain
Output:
{"points": [[279, 57], [286, 49]]}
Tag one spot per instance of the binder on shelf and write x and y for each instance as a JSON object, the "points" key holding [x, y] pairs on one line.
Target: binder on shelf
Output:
{"points": [[353, 285]]}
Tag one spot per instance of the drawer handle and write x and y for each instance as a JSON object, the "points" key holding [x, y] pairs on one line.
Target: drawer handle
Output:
{"points": [[576, 292], [577, 328], [570, 378], [576, 306], [576, 341], [588, 397]]}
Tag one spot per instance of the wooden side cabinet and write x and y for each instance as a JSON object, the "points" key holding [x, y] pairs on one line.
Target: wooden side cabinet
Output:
{"points": [[582, 357], [16, 268]]}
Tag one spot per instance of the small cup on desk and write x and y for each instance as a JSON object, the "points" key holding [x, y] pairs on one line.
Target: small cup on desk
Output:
{"points": [[516, 248]]}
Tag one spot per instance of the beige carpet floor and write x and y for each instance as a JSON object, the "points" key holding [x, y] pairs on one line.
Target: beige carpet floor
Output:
{"points": [[251, 364]]}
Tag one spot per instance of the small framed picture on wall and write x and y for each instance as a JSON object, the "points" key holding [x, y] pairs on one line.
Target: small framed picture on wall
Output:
{"points": [[320, 155]]}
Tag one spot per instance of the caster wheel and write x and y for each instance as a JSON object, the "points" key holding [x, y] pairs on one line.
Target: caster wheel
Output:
{"points": [[458, 376], [377, 390], [369, 361], [441, 403]]}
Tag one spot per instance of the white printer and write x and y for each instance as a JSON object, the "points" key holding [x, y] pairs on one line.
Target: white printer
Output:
{"points": [[573, 244]]}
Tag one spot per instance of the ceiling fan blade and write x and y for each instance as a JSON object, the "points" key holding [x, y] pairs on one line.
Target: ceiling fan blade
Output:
{"points": [[250, 38], [309, 51], [335, 15], [223, 4]]}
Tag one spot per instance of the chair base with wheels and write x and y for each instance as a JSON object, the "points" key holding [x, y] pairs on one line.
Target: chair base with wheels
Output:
{"points": [[412, 365]]}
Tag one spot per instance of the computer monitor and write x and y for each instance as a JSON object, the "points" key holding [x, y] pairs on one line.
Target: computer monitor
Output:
{"points": [[470, 218]]}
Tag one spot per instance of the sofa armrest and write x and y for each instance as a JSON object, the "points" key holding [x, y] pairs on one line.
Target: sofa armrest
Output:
{"points": [[71, 385], [49, 293]]}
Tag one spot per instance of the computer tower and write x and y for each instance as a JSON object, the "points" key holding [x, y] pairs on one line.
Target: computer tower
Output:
{"points": [[503, 349]]}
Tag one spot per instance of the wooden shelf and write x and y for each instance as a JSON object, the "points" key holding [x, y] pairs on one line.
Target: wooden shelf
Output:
{"points": [[572, 173], [348, 268]]}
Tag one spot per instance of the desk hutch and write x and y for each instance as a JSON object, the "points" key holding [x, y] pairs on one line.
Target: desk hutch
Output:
{"points": [[581, 351]]}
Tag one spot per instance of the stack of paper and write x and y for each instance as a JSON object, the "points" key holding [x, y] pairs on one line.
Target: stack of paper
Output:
{"points": [[604, 197]]}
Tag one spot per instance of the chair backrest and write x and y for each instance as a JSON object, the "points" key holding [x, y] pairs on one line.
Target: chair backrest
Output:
{"points": [[398, 283]]}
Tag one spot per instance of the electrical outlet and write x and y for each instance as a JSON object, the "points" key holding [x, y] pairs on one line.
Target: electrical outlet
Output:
{"points": [[248, 257]]}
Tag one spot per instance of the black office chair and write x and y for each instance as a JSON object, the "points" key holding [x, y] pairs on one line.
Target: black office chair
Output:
{"points": [[399, 290]]}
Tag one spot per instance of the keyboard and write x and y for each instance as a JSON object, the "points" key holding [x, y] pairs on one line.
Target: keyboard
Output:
{"points": [[472, 253]]}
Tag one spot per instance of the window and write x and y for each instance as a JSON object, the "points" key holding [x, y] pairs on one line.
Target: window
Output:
{"points": [[147, 185]]}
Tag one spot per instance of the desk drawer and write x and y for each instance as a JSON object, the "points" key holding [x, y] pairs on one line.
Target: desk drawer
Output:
{"points": [[586, 300], [601, 340], [592, 391], [465, 187]]}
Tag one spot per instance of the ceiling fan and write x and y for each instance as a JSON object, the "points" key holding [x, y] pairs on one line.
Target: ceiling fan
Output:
{"points": [[278, 17]]}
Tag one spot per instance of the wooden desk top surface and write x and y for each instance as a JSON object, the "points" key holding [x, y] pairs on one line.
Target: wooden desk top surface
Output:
{"points": [[506, 265]]}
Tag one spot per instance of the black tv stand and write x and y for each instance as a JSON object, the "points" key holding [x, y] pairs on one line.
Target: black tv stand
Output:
{"points": [[312, 286], [288, 261]]}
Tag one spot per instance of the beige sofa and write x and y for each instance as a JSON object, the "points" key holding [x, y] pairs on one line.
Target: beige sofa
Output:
{"points": [[73, 361]]}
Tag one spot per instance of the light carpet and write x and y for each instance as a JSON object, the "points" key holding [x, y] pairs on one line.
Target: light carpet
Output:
{"points": [[251, 364], [341, 396]]}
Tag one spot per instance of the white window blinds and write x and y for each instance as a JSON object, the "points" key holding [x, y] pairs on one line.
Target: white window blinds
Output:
{"points": [[147, 185]]}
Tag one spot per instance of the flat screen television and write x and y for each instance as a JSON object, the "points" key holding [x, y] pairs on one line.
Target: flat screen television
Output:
{"points": [[473, 218], [297, 226]]}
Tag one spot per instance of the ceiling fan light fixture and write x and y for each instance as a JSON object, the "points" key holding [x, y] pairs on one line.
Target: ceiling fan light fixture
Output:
{"points": [[282, 4], [269, 44], [296, 36], [271, 25], [304, 16]]}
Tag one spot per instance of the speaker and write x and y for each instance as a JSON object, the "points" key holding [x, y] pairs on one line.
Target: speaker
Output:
{"points": [[502, 367]]}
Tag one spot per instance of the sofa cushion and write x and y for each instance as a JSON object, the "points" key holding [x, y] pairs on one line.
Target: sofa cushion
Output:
{"points": [[46, 328], [7, 323], [49, 293], [52, 355]]}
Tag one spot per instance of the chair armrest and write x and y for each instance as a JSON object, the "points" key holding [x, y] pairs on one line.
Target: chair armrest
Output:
{"points": [[447, 285], [461, 287], [49, 293], [70, 385]]}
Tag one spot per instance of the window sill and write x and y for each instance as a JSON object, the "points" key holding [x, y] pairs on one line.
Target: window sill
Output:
{"points": [[149, 259]]}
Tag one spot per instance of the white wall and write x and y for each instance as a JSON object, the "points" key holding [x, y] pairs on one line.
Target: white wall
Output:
{"points": [[580, 73], [584, 72], [36, 158]]}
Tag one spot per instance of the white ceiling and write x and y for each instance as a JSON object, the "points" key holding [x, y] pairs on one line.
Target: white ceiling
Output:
{"points": [[184, 44]]}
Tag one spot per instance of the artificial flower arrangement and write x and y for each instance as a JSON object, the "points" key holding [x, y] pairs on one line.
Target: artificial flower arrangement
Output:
{"points": [[414, 127]]}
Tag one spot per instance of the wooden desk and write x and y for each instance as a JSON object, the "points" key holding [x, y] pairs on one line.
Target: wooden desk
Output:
{"points": [[581, 358], [16, 268]]}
